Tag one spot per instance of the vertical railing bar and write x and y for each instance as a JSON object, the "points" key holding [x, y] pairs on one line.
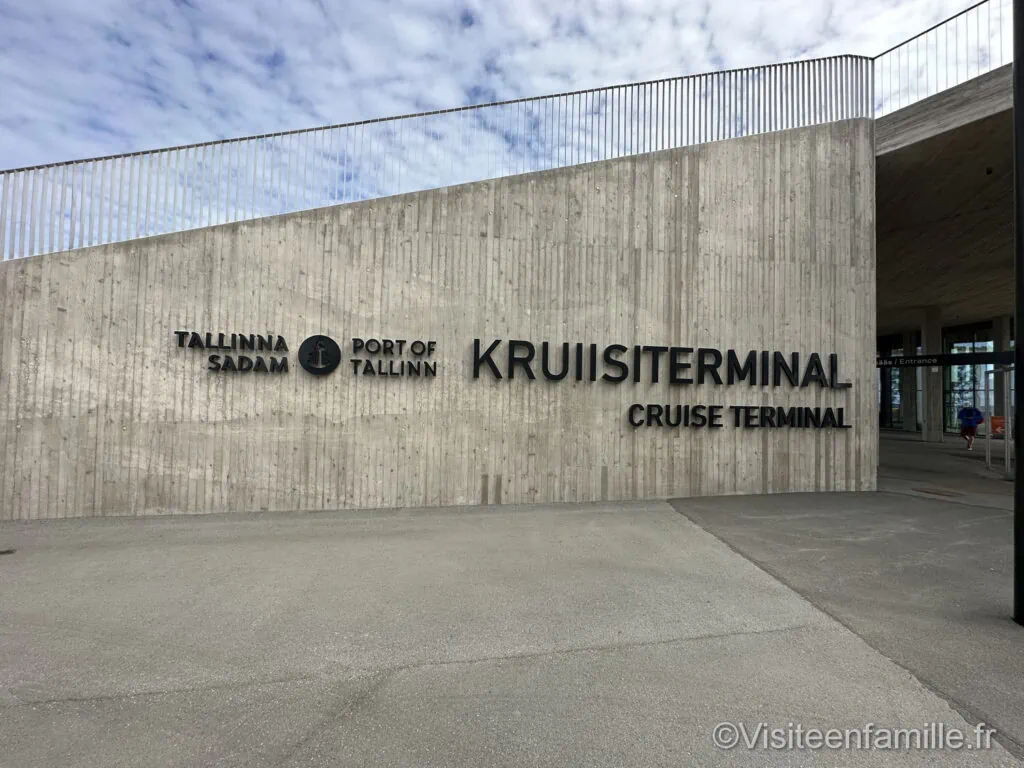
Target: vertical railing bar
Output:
{"points": [[289, 166], [343, 154], [805, 94], [831, 94], [142, 212], [119, 225], [716, 80], [701, 116], [18, 215], [252, 208], [61, 210], [787, 95], [793, 91], [717, 114], [50, 222], [90, 232], [261, 205], [664, 115], [164, 209], [643, 127], [565, 127], [642, 121], [134, 186], [269, 175], [650, 116], [224, 177], [220, 213], [44, 204], [188, 191], [707, 97], [51, 207], [177, 219], [28, 181], [72, 218], [624, 109], [136, 215], [85, 214], [63, 206], [617, 117], [31, 217], [208, 203], [826, 91], [6, 251], [41, 220], [153, 218], [632, 120], [305, 171], [716, 106], [264, 165], [777, 113], [35, 204], [150, 190], [330, 168], [801, 81], [674, 112], [236, 189], [17, 181], [106, 193]]}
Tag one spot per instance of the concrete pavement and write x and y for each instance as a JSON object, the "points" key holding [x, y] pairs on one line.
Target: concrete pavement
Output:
{"points": [[530, 636], [927, 582], [946, 470]]}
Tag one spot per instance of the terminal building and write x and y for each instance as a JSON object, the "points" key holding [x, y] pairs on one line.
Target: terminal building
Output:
{"points": [[715, 284], [945, 252]]}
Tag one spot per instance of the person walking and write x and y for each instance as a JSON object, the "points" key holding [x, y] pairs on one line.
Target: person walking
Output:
{"points": [[970, 417]]}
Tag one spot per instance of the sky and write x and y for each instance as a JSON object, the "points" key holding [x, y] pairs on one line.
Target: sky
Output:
{"points": [[84, 78]]}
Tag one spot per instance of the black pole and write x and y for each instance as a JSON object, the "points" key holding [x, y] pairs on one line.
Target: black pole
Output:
{"points": [[1018, 277]]}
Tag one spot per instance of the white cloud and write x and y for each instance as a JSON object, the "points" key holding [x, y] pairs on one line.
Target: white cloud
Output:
{"points": [[116, 76], [80, 79]]}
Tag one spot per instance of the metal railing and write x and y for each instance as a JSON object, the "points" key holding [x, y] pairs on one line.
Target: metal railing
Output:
{"points": [[90, 202], [977, 40], [109, 199]]}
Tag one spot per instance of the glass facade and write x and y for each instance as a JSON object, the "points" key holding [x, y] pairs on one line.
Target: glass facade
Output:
{"points": [[961, 384]]}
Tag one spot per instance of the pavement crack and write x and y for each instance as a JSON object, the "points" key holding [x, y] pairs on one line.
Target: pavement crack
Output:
{"points": [[610, 647], [162, 692], [349, 706]]}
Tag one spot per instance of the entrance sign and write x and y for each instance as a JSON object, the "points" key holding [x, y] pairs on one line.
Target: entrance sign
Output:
{"points": [[945, 360]]}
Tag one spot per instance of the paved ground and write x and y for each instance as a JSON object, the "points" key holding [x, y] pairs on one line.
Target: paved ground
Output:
{"points": [[613, 635], [945, 470], [922, 571]]}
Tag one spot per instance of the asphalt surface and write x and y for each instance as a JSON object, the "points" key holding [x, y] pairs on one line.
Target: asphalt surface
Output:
{"points": [[926, 582], [613, 635]]}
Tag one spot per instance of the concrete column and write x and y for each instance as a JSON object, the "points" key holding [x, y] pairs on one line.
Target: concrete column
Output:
{"points": [[908, 386], [931, 341], [1000, 343]]}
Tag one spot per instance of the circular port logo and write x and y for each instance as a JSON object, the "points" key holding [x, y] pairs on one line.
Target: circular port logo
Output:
{"points": [[319, 355]]}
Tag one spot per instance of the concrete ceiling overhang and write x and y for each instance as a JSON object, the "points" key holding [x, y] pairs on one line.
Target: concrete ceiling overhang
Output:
{"points": [[944, 206]]}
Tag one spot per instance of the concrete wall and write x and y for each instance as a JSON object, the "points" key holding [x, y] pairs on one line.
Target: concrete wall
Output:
{"points": [[978, 98], [757, 243]]}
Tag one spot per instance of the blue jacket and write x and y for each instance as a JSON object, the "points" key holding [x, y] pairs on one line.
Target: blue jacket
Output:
{"points": [[970, 416]]}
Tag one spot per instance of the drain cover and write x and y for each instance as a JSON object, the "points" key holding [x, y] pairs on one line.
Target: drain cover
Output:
{"points": [[937, 491]]}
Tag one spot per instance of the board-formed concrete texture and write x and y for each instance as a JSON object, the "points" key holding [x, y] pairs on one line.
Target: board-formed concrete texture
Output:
{"points": [[760, 243]]}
